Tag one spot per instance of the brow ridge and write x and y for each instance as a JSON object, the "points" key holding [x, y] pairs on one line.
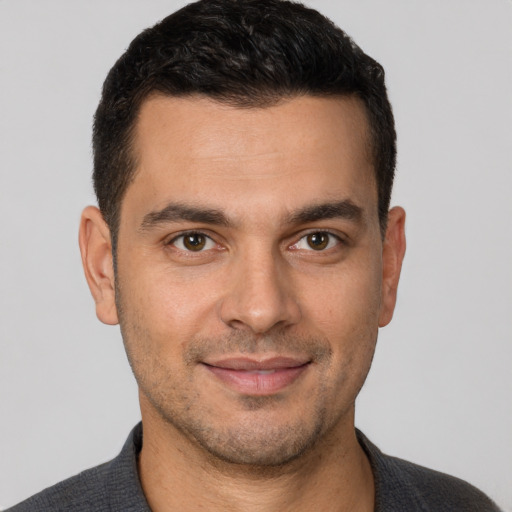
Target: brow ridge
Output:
{"points": [[344, 209], [176, 212]]}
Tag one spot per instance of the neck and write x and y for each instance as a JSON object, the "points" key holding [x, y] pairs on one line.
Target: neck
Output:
{"points": [[176, 474]]}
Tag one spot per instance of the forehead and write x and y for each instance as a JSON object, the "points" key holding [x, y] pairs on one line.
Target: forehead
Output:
{"points": [[202, 149], [207, 128]]}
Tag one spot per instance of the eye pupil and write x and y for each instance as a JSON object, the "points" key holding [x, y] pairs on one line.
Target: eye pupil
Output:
{"points": [[194, 242], [318, 241]]}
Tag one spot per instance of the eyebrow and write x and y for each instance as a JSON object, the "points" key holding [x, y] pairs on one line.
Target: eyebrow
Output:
{"points": [[177, 212], [345, 209]]}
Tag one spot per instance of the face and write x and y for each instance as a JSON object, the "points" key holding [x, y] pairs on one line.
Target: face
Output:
{"points": [[251, 272]]}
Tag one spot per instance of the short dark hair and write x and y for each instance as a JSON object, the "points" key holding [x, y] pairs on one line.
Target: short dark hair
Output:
{"points": [[247, 53]]}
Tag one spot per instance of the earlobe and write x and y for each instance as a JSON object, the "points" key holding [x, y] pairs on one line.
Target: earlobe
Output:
{"points": [[393, 252], [96, 251]]}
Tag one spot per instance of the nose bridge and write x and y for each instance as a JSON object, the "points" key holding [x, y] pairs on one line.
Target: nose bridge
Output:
{"points": [[260, 294]]}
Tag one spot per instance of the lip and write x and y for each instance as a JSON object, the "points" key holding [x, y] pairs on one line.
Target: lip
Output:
{"points": [[258, 377]]}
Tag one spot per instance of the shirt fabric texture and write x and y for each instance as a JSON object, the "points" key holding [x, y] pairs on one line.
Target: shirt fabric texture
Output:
{"points": [[400, 486]]}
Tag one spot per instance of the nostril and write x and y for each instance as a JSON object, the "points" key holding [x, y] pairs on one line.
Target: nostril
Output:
{"points": [[262, 319]]}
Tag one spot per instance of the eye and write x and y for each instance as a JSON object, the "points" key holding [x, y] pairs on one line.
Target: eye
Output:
{"points": [[317, 241], [193, 242]]}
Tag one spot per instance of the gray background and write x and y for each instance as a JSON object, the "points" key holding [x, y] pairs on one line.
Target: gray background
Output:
{"points": [[439, 391]]}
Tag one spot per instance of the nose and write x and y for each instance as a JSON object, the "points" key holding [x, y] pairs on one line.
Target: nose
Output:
{"points": [[260, 295]]}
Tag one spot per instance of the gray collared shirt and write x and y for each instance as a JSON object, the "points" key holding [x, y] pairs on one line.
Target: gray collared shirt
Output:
{"points": [[400, 486]]}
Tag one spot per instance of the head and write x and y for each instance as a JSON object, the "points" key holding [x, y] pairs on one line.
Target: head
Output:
{"points": [[244, 53], [244, 156]]}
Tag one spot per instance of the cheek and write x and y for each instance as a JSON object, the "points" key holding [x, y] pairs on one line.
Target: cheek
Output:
{"points": [[345, 310], [169, 307], [344, 301]]}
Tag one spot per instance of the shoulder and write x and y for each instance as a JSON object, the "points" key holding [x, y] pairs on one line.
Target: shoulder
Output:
{"points": [[85, 491], [402, 485], [110, 486], [433, 489]]}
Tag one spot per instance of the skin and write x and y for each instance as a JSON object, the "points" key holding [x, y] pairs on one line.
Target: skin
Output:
{"points": [[258, 289]]}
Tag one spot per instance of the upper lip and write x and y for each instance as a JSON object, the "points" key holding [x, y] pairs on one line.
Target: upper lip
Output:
{"points": [[251, 364]]}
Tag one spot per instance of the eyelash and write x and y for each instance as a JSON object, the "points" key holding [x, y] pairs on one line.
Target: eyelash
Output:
{"points": [[332, 238], [183, 237]]}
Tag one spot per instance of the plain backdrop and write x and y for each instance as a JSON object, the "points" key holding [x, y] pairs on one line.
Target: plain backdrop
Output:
{"points": [[439, 393]]}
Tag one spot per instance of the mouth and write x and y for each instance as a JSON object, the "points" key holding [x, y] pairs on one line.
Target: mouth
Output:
{"points": [[258, 377]]}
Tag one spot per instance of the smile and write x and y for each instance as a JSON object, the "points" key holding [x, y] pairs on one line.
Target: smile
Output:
{"points": [[257, 378]]}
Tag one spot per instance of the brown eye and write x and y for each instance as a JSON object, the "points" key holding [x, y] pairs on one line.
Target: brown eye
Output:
{"points": [[194, 242], [318, 241]]}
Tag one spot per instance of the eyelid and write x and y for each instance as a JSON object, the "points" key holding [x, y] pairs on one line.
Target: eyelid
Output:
{"points": [[340, 240], [178, 236]]}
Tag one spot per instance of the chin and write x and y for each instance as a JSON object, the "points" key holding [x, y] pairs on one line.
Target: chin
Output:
{"points": [[259, 447], [254, 440]]}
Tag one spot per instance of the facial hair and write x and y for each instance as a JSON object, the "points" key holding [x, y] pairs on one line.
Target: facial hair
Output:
{"points": [[252, 439]]}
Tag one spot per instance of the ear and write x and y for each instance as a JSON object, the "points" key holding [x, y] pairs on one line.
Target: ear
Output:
{"points": [[393, 251], [96, 250]]}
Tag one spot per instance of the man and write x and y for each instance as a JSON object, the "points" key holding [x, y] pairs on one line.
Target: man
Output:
{"points": [[244, 159]]}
